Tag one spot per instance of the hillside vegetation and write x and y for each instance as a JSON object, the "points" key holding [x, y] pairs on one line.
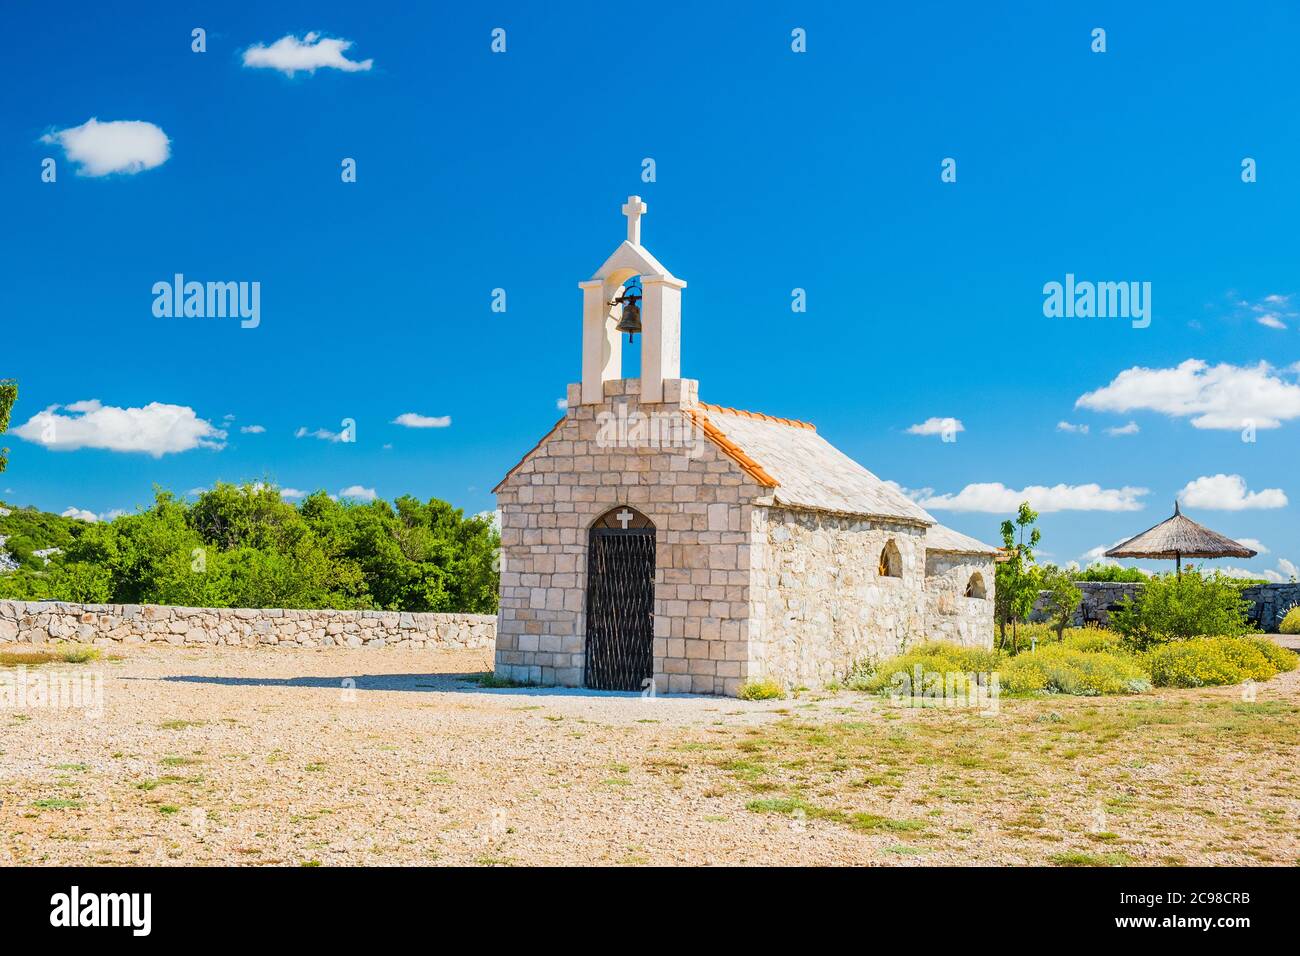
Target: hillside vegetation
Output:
{"points": [[244, 546]]}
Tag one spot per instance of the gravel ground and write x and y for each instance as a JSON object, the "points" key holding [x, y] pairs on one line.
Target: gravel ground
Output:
{"points": [[246, 756]]}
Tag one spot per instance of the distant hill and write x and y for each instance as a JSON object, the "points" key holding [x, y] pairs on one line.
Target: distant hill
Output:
{"points": [[25, 531]]}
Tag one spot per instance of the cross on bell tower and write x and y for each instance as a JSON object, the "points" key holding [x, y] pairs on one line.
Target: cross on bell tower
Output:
{"points": [[634, 209], [661, 316]]}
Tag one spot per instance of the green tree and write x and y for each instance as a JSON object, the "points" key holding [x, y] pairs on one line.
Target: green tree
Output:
{"points": [[8, 395], [1017, 576], [1062, 597], [244, 546]]}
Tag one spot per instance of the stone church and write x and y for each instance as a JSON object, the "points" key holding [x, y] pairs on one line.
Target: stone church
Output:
{"points": [[653, 537]]}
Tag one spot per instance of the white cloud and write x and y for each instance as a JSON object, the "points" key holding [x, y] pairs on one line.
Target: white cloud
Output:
{"points": [[1228, 493], [561, 404], [290, 55], [1220, 396], [252, 429], [1253, 543], [156, 429], [416, 420], [357, 491], [1269, 311], [995, 497], [81, 514], [1130, 429], [118, 146], [289, 493], [1073, 429], [323, 434], [937, 426]]}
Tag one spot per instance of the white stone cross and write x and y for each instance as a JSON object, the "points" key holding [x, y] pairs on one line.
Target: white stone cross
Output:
{"points": [[634, 209], [624, 517]]}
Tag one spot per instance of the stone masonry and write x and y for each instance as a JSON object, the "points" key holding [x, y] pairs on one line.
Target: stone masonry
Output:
{"points": [[1269, 602], [699, 501], [819, 602], [950, 614], [40, 622]]}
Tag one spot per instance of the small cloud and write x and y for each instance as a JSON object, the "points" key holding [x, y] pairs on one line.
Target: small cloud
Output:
{"points": [[324, 434], [937, 426], [1130, 429], [313, 52], [81, 514], [415, 420], [1072, 429], [358, 492], [118, 146], [252, 429], [1229, 493], [291, 493], [1253, 543], [561, 404], [156, 429]]}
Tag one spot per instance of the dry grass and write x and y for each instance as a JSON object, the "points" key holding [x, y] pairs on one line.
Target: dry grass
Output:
{"points": [[262, 757]]}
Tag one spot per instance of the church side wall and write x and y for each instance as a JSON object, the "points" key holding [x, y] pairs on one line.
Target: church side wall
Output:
{"points": [[699, 501], [950, 615], [819, 602]]}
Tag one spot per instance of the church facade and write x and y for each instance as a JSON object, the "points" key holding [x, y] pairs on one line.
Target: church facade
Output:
{"points": [[650, 538]]}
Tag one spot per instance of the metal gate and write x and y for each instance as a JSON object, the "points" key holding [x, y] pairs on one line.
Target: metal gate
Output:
{"points": [[620, 607]]}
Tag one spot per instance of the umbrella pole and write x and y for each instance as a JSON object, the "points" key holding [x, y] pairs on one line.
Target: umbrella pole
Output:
{"points": [[1178, 564]]}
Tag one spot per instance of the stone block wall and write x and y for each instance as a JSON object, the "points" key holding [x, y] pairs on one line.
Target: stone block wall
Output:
{"points": [[949, 614], [819, 602], [701, 512], [1269, 602], [40, 622]]}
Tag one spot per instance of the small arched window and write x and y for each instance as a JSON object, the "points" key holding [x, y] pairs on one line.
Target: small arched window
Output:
{"points": [[891, 562], [975, 587]]}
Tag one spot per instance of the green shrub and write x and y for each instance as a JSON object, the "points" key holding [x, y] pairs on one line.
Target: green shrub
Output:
{"points": [[1064, 670], [765, 689], [1212, 661], [1109, 572], [932, 657], [1291, 622], [1171, 607]]}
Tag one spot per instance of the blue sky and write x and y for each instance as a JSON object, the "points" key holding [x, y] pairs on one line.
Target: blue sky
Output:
{"points": [[774, 169]]}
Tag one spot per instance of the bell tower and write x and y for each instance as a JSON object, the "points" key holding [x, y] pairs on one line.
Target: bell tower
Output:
{"points": [[606, 303]]}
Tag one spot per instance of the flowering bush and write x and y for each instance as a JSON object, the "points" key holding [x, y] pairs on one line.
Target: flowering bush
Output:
{"points": [[1207, 662], [1066, 670]]}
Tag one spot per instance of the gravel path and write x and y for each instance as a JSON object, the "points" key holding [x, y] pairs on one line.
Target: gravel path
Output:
{"points": [[237, 755]]}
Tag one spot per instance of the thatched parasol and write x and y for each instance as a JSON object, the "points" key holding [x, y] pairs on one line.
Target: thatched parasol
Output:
{"points": [[1180, 537]]}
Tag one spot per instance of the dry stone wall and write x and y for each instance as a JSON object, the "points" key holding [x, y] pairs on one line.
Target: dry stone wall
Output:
{"points": [[1269, 602], [819, 601], [45, 621]]}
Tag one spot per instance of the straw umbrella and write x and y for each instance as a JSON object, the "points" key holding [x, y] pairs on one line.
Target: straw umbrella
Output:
{"points": [[1180, 537]]}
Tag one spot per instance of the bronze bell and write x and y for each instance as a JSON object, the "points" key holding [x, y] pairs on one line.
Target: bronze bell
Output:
{"points": [[631, 321]]}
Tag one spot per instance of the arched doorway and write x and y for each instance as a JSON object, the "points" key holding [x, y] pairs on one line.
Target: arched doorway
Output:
{"points": [[620, 601]]}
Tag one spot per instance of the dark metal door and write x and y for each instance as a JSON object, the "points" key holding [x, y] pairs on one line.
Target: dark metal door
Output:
{"points": [[620, 608]]}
